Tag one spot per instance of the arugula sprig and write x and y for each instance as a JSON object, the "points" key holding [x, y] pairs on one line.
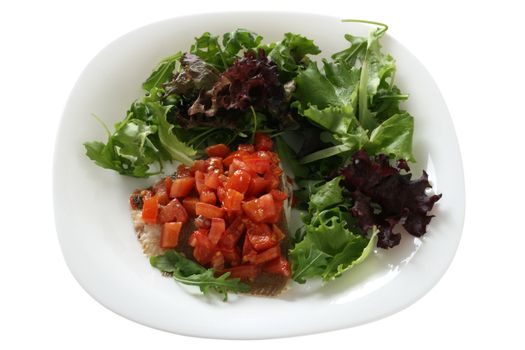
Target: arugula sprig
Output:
{"points": [[188, 272]]}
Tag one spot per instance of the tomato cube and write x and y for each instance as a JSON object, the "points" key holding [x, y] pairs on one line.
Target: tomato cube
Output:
{"points": [[263, 142], [239, 180], [244, 272], [268, 255], [219, 150], [218, 226], [182, 187], [169, 237], [211, 180], [150, 210], [203, 249], [232, 200], [260, 209], [217, 261], [278, 266], [199, 181], [257, 164], [189, 204], [173, 211], [258, 186], [208, 196], [208, 210]]}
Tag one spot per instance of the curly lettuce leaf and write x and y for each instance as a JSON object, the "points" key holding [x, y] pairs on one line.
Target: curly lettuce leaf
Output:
{"points": [[331, 244], [188, 272]]}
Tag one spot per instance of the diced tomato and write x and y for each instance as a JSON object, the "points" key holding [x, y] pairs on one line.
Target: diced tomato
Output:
{"points": [[232, 201], [231, 255], [260, 209], [215, 165], [258, 185], [199, 181], [202, 223], [182, 187], [239, 180], [278, 213], [161, 191], [150, 210], [268, 254], [261, 237], [250, 258], [247, 247], [263, 142], [273, 181], [169, 237], [189, 204], [208, 210], [219, 150], [203, 249], [199, 165], [221, 194], [246, 147], [173, 211], [211, 180], [183, 171], [244, 272], [218, 226], [278, 233], [208, 196], [278, 195], [257, 164], [217, 261], [278, 266], [233, 233], [234, 155]]}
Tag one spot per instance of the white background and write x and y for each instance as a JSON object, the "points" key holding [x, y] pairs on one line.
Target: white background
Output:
{"points": [[473, 50]]}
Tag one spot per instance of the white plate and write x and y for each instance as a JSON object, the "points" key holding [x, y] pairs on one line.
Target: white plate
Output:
{"points": [[97, 238]]}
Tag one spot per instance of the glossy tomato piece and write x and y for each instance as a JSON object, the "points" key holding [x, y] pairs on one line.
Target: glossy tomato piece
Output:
{"points": [[219, 150], [182, 187], [258, 186], [275, 219], [189, 204], [261, 237], [234, 155], [208, 196], [260, 209], [150, 210], [169, 237], [257, 164], [278, 195], [173, 211], [263, 142], [199, 181], [203, 249], [218, 226], [246, 147], [215, 165], [268, 254], [278, 266], [231, 255], [239, 180], [211, 180], [217, 261], [233, 233], [199, 165], [208, 210], [162, 189], [232, 200], [183, 171], [244, 272]]}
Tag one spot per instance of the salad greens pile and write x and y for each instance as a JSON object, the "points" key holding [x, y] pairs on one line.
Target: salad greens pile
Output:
{"points": [[320, 114]]}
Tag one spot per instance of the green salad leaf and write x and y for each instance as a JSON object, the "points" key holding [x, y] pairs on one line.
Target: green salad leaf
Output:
{"points": [[162, 73], [393, 137], [332, 244], [188, 272]]}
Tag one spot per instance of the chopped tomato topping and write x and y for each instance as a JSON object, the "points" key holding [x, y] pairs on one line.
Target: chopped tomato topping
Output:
{"points": [[208, 196], [211, 180], [268, 254], [182, 187], [208, 211], [239, 180], [218, 226], [203, 249], [189, 204], [219, 150], [257, 164], [232, 200], [173, 211], [263, 142], [260, 209], [278, 266], [150, 210], [169, 237], [244, 272]]}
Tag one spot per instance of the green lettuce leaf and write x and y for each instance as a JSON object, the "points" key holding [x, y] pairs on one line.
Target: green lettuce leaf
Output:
{"points": [[188, 272], [393, 137], [332, 243], [291, 54]]}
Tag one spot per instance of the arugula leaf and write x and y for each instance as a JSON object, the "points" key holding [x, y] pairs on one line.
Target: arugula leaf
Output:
{"points": [[393, 137], [208, 48], [307, 261], [162, 73], [177, 149], [237, 40], [188, 272]]}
